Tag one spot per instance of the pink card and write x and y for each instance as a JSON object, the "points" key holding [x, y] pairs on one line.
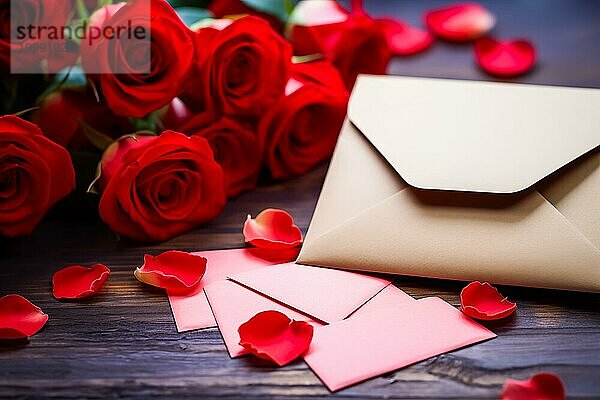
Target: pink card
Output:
{"points": [[233, 304], [389, 296], [191, 311], [380, 341], [326, 294]]}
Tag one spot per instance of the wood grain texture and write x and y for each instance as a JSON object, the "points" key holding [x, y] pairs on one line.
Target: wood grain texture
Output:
{"points": [[123, 343]]}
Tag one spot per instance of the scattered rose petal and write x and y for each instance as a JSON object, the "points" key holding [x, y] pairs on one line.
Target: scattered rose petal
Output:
{"points": [[77, 282], [505, 58], [19, 318], [542, 386], [483, 301], [460, 22], [273, 336], [173, 270], [322, 12], [403, 39], [272, 229]]}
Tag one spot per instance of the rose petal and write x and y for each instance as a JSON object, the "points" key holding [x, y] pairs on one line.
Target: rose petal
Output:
{"points": [[272, 229], [460, 22], [505, 58], [19, 318], [273, 336], [77, 282], [483, 301], [403, 39], [320, 12], [542, 386], [174, 270]]}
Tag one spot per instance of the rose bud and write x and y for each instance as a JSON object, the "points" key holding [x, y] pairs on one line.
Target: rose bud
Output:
{"points": [[300, 130], [242, 67], [236, 148], [61, 113], [138, 75], [354, 42], [34, 174], [157, 187], [175, 115]]}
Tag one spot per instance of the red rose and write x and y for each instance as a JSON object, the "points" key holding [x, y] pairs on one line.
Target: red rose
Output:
{"points": [[156, 187], [301, 129], [242, 67], [354, 43], [236, 148], [27, 52], [34, 174], [224, 8], [129, 90], [60, 113]]}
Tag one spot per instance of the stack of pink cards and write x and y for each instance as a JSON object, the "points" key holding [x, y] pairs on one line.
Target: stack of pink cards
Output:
{"points": [[363, 325], [191, 311]]}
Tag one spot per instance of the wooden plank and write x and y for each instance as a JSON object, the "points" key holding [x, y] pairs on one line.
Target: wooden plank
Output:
{"points": [[123, 344]]}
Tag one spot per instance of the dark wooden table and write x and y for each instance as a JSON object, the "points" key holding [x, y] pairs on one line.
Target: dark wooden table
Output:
{"points": [[123, 343]]}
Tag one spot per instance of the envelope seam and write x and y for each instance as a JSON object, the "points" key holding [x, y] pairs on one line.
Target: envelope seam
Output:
{"points": [[576, 229], [353, 217]]}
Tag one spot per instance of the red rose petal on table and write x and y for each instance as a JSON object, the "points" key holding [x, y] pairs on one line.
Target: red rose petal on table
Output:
{"points": [[505, 58], [173, 270], [460, 22], [19, 318], [272, 229], [483, 301], [273, 336], [542, 386], [403, 39], [77, 282]]}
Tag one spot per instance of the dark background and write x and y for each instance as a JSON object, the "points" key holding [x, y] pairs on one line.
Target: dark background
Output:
{"points": [[123, 342]]}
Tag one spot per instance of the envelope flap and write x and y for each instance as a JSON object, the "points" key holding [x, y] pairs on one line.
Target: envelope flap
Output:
{"points": [[474, 136]]}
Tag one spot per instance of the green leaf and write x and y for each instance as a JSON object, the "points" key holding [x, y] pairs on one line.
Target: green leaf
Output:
{"points": [[71, 77], [307, 58], [97, 138], [92, 188], [203, 23], [82, 10], [23, 112], [278, 8], [94, 89], [192, 15], [144, 124]]}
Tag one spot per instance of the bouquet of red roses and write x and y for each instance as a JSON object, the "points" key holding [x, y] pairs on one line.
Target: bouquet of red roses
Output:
{"points": [[185, 106]]}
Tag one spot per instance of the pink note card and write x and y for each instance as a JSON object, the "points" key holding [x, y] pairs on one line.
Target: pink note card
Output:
{"points": [[382, 340], [191, 311], [233, 304], [326, 294], [389, 296]]}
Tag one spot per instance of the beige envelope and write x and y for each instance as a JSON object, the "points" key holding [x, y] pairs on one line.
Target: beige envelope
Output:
{"points": [[464, 180]]}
